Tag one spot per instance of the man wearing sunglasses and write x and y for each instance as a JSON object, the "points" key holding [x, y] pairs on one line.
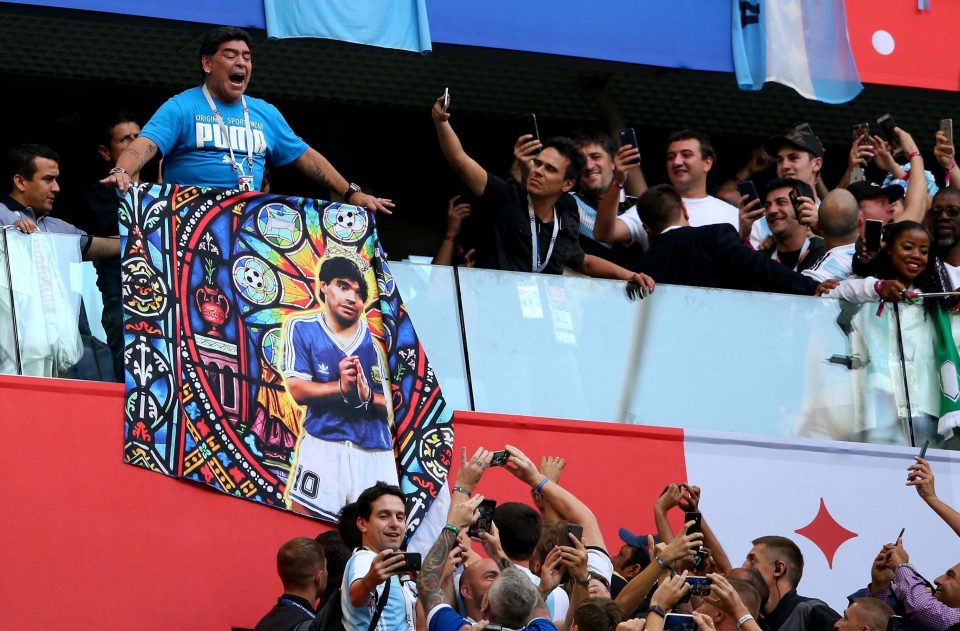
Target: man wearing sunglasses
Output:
{"points": [[943, 218]]}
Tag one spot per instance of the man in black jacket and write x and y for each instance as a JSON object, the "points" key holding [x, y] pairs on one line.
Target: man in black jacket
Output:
{"points": [[706, 256], [303, 571]]}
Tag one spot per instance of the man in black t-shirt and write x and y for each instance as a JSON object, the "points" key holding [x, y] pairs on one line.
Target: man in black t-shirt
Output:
{"points": [[532, 227]]}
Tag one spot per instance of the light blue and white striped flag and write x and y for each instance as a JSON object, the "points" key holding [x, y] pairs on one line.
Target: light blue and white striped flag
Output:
{"points": [[799, 43], [398, 24]]}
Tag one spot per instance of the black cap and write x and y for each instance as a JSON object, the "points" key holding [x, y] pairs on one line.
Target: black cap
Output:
{"points": [[865, 190], [801, 136]]}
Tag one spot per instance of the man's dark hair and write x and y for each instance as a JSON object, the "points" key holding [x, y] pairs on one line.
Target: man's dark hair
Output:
{"points": [[551, 536], [598, 614], [659, 206], [212, 39], [781, 182], [371, 495], [21, 160], [753, 578], [571, 152], [595, 137], [340, 267], [337, 555], [638, 556], [706, 147], [298, 561], [519, 527], [786, 551], [749, 595], [347, 526], [111, 121]]}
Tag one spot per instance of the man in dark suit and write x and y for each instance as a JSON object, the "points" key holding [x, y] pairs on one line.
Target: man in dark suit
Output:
{"points": [[706, 256]]}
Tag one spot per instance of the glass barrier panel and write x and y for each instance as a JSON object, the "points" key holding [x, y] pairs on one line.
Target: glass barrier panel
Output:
{"points": [[700, 358], [548, 345], [55, 299], [9, 357], [430, 295]]}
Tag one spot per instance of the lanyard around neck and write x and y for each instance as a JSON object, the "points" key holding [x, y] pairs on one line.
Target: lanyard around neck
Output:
{"points": [[803, 252], [290, 601], [535, 263], [226, 135]]}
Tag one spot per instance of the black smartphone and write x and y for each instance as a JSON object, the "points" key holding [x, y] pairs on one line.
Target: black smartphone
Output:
{"points": [[483, 522], [872, 233], [694, 517], [923, 450], [499, 458], [860, 130], [887, 125], [528, 125], [576, 530], [628, 136], [699, 585], [900, 536], [946, 126], [749, 189], [679, 622], [802, 189], [411, 562]]}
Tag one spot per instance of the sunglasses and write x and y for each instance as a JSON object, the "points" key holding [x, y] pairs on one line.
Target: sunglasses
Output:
{"points": [[952, 211]]}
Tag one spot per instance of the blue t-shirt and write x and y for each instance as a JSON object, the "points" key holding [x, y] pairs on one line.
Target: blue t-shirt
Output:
{"points": [[395, 615], [444, 618], [311, 352], [195, 152]]}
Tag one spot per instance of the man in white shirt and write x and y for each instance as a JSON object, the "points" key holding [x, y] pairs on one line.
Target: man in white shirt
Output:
{"points": [[690, 157]]}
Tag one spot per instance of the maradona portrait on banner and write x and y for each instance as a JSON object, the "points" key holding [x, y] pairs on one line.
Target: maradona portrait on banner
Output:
{"points": [[333, 366]]}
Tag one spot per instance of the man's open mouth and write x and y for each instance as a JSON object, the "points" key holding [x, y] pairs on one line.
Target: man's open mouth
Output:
{"points": [[237, 78]]}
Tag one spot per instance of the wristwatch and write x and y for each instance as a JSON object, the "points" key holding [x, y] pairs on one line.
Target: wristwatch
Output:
{"points": [[657, 609], [351, 189], [584, 583]]}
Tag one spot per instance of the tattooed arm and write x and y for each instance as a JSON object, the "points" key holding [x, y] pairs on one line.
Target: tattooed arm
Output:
{"points": [[429, 582], [316, 167], [131, 160]]}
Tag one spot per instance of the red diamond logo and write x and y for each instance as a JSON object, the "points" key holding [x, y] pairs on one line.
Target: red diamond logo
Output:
{"points": [[826, 533]]}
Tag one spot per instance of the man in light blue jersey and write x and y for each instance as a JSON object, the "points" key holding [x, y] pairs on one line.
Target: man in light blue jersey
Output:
{"points": [[333, 367], [374, 568], [214, 135]]}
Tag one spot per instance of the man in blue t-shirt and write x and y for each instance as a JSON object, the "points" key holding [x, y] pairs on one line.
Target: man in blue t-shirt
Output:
{"points": [[214, 135], [332, 366]]}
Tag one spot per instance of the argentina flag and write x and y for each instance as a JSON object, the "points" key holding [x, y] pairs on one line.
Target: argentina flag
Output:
{"points": [[400, 24], [799, 43]]}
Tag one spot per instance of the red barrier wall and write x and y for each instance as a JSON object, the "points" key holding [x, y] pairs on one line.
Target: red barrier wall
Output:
{"points": [[94, 543]]}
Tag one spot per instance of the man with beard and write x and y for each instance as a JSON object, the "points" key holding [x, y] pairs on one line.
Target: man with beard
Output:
{"points": [[620, 239], [944, 221]]}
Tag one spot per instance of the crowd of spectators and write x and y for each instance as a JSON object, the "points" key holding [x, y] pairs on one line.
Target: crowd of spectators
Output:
{"points": [[545, 566], [580, 203]]}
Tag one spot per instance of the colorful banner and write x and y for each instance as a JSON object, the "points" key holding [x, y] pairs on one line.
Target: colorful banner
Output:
{"points": [[269, 355]]}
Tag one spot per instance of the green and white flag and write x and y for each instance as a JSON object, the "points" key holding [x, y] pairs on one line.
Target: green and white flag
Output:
{"points": [[947, 362]]}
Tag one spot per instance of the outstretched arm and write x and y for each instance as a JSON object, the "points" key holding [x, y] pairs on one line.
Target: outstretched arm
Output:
{"points": [[607, 228], [920, 475], [316, 167], [568, 506], [131, 160], [429, 583], [466, 168], [915, 202]]}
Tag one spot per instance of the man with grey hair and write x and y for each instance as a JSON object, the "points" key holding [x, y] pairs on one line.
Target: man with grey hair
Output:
{"points": [[512, 601], [840, 225]]}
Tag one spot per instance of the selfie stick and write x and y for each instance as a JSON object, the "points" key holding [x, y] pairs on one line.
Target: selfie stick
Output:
{"points": [[903, 370]]}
